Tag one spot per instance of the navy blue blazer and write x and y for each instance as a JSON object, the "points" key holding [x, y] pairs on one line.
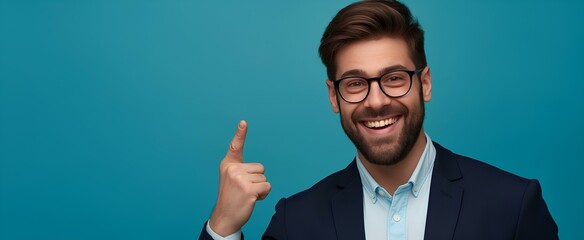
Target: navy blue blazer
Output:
{"points": [[469, 199]]}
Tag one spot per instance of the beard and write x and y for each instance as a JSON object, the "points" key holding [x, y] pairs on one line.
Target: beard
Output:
{"points": [[381, 151]]}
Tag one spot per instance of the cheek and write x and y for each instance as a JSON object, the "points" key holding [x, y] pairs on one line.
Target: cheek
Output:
{"points": [[414, 101], [346, 112]]}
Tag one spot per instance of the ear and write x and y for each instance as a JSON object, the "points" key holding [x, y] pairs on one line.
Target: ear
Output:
{"points": [[426, 79], [332, 95]]}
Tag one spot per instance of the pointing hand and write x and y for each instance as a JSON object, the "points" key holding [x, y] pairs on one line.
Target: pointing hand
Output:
{"points": [[240, 186]]}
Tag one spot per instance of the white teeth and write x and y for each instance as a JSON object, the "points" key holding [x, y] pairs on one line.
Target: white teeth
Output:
{"points": [[381, 123]]}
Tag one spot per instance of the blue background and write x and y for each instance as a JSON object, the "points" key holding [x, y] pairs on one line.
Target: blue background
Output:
{"points": [[114, 115]]}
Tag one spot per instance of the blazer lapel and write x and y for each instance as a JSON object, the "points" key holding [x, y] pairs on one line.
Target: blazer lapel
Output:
{"points": [[445, 196], [347, 206]]}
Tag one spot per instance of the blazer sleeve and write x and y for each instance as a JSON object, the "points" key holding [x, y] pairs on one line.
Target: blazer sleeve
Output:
{"points": [[535, 220], [204, 234], [277, 228]]}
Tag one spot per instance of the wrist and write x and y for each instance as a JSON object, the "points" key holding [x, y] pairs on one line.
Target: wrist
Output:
{"points": [[222, 226]]}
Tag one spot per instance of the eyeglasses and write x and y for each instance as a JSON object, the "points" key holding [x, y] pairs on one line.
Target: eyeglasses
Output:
{"points": [[393, 84]]}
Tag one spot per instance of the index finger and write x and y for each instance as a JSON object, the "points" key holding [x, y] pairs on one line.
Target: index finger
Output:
{"points": [[235, 151]]}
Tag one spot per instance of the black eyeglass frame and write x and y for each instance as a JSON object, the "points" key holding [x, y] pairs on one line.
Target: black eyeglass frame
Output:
{"points": [[411, 73]]}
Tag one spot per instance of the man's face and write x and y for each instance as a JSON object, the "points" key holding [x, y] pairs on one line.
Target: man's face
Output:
{"points": [[399, 120]]}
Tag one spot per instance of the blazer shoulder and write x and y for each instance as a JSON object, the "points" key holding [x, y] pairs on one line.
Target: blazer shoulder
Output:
{"points": [[489, 193], [328, 186], [475, 171]]}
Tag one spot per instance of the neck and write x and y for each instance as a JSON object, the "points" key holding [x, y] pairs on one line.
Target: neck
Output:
{"points": [[391, 177]]}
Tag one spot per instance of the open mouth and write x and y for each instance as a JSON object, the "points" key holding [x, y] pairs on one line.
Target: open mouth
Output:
{"points": [[380, 124]]}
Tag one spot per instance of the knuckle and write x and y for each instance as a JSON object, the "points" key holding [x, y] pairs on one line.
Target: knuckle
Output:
{"points": [[233, 147], [238, 177], [257, 167], [231, 169]]}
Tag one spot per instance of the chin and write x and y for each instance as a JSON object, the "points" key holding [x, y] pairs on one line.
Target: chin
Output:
{"points": [[386, 156], [388, 151]]}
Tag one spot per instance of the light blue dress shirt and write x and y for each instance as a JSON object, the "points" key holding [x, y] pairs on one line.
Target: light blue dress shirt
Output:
{"points": [[403, 215]]}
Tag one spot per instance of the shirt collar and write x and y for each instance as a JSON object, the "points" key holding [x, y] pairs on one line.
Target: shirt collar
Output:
{"points": [[424, 167], [416, 181], [369, 184]]}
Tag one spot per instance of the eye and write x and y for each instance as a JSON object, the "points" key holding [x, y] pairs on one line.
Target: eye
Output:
{"points": [[354, 85], [395, 79]]}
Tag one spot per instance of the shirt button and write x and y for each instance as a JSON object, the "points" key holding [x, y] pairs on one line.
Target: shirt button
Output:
{"points": [[396, 217]]}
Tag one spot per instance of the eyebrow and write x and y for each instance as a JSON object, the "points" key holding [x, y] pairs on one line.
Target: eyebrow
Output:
{"points": [[361, 73]]}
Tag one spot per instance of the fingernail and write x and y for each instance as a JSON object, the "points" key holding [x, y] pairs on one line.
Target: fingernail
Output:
{"points": [[241, 124]]}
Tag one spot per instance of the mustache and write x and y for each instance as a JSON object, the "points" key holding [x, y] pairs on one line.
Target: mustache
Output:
{"points": [[385, 111]]}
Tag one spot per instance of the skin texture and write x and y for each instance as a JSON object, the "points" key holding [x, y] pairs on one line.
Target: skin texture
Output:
{"points": [[240, 186], [389, 154]]}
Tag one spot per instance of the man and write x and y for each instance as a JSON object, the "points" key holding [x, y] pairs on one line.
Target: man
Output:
{"points": [[401, 185]]}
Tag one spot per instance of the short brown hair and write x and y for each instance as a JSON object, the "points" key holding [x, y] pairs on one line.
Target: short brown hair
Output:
{"points": [[371, 20]]}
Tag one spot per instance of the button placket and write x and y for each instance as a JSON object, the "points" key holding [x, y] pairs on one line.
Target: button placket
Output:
{"points": [[397, 213]]}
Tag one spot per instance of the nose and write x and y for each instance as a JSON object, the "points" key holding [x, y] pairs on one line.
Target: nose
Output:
{"points": [[376, 98]]}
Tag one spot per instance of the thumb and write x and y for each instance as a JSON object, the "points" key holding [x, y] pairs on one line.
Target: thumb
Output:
{"points": [[235, 151]]}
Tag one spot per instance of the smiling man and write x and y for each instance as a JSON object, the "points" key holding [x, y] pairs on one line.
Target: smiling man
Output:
{"points": [[400, 185]]}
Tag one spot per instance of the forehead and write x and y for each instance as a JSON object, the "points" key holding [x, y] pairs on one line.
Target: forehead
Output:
{"points": [[372, 56]]}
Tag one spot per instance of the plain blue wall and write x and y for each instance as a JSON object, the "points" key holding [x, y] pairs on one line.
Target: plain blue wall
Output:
{"points": [[114, 115]]}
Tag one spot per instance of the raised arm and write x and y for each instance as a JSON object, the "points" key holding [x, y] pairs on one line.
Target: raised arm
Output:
{"points": [[240, 186]]}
